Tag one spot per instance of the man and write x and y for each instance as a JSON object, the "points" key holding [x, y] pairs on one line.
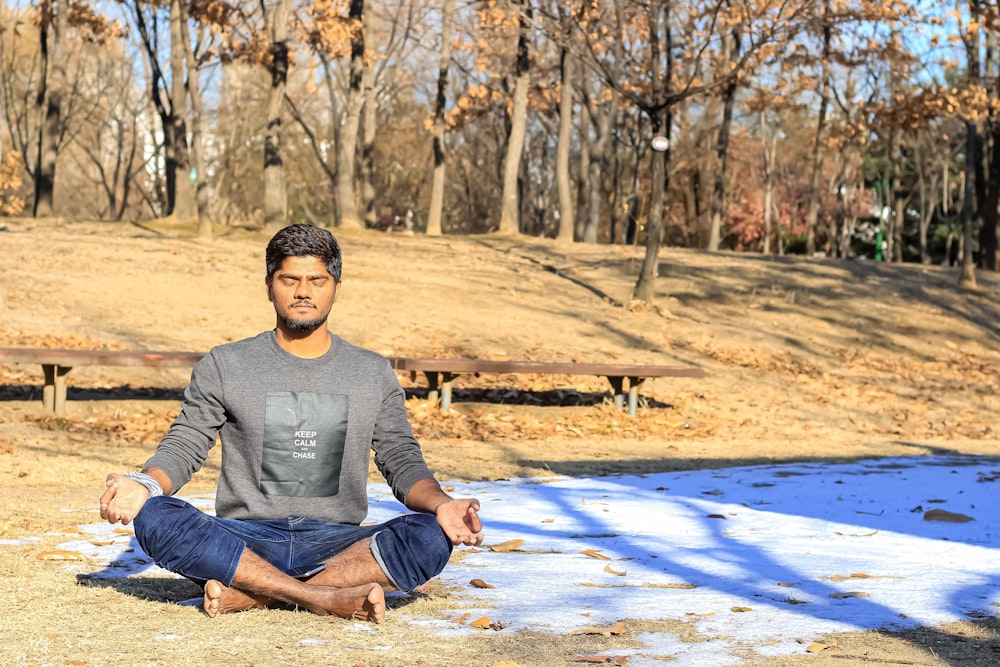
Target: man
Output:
{"points": [[298, 411]]}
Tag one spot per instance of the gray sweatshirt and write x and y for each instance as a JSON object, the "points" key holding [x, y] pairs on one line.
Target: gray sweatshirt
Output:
{"points": [[296, 433]]}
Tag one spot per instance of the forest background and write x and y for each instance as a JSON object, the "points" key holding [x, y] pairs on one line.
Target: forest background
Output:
{"points": [[836, 127]]}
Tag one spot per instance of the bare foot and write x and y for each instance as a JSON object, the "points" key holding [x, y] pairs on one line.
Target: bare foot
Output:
{"points": [[364, 603], [221, 599]]}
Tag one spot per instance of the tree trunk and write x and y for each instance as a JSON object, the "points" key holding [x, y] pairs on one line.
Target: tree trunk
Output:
{"points": [[436, 213], [49, 104], [197, 159], [369, 130], [989, 252], [645, 285], [349, 141], [770, 148], [812, 209], [275, 185], [661, 120], [567, 217], [584, 180], [184, 209], [509, 198], [722, 150], [967, 274]]}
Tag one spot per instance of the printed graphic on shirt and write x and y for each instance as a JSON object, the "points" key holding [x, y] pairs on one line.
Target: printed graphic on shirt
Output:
{"points": [[304, 435]]}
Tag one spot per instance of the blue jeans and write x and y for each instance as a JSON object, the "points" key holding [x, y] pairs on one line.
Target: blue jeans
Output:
{"points": [[410, 549]]}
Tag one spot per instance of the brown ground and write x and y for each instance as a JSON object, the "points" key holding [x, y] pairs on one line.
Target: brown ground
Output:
{"points": [[805, 359]]}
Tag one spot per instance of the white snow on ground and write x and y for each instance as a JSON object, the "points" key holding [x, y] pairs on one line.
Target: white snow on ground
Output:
{"points": [[767, 556]]}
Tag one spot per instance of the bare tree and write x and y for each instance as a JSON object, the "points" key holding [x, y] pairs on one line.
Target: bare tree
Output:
{"points": [[440, 103]]}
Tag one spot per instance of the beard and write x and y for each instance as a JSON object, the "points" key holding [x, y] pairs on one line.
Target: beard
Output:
{"points": [[303, 326]]}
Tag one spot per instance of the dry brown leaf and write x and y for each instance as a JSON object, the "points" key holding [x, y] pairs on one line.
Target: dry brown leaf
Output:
{"points": [[61, 554], [610, 570], [509, 545], [548, 520], [463, 618], [786, 584], [484, 623], [850, 594], [601, 659], [616, 629], [4, 526], [819, 647], [102, 543], [479, 583], [946, 516], [594, 554]]}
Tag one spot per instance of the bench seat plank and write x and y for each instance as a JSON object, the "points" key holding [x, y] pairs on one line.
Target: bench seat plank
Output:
{"points": [[440, 372]]}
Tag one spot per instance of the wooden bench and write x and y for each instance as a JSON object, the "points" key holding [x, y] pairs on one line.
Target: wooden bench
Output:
{"points": [[440, 373], [56, 364]]}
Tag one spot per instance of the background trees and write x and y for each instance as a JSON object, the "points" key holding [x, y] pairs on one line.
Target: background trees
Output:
{"points": [[836, 127]]}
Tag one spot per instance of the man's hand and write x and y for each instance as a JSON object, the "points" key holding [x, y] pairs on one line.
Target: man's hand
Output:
{"points": [[459, 518], [123, 499]]}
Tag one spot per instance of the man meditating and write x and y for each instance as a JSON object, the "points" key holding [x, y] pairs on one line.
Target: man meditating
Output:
{"points": [[297, 410]]}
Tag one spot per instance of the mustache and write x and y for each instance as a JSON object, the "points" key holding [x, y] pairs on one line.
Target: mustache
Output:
{"points": [[296, 304]]}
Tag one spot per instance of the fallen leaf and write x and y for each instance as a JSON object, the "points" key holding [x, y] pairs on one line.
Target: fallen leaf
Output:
{"points": [[60, 554], [819, 647], [594, 554], [463, 618], [850, 594], [483, 623], [714, 516], [102, 543], [616, 629], [479, 583], [786, 584], [609, 570], [947, 517], [741, 610], [4, 525], [601, 659], [510, 545], [548, 520]]}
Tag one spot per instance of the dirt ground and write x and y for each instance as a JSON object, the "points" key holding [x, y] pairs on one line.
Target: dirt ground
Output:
{"points": [[804, 360]]}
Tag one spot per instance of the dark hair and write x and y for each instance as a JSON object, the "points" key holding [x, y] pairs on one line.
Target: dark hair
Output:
{"points": [[304, 241]]}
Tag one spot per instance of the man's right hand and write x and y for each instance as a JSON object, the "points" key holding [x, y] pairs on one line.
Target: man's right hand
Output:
{"points": [[123, 499]]}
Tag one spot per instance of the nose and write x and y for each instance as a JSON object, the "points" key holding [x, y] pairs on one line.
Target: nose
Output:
{"points": [[302, 289]]}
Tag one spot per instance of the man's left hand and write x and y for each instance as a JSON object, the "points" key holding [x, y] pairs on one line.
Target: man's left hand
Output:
{"points": [[459, 518]]}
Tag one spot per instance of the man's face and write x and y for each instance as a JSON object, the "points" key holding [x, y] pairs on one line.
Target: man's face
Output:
{"points": [[303, 292]]}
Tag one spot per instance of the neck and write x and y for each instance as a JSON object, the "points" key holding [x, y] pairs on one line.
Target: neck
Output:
{"points": [[305, 345]]}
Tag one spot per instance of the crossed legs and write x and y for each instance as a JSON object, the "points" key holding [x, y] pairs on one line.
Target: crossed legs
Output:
{"points": [[254, 564], [351, 586]]}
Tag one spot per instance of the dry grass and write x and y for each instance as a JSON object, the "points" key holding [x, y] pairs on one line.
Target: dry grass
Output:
{"points": [[806, 360]]}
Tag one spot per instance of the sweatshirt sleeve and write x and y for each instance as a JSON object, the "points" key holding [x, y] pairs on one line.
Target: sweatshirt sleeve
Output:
{"points": [[185, 447], [397, 453]]}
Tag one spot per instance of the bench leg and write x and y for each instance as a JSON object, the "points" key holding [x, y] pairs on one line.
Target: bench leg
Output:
{"points": [[446, 390], [54, 391], [633, 394], [616, 385], [432, 385]]}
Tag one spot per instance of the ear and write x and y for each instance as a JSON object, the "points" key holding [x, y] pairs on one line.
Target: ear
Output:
{"points": [[336, 290], [268, 280]]}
